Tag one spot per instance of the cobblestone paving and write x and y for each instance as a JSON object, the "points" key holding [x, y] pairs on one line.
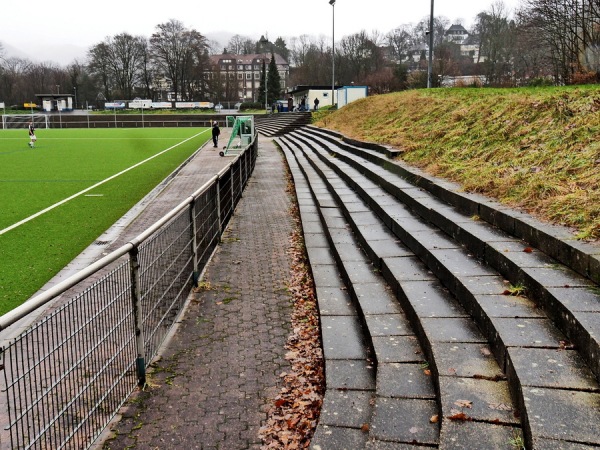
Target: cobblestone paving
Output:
{"points": [[220, 372]]}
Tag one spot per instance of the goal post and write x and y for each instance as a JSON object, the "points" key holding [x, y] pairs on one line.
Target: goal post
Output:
{"points": [[22, 121]]}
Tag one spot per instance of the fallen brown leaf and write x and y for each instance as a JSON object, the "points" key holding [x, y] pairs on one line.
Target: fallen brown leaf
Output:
{"points": [[294, 414], [500, 407], [485, 351], [463, 403], [459, 417]]}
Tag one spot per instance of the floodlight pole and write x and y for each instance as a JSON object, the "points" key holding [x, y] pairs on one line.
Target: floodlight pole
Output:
{"points": [[430, 62], [332, 3], [264, 41]]}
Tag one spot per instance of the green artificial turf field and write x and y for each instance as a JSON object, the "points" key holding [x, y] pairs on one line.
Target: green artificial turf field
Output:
{"points": [[64, 163]]}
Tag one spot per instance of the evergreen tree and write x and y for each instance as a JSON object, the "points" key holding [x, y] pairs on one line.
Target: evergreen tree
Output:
{"points": [[273, 81], [281, 48], [261, 87]]}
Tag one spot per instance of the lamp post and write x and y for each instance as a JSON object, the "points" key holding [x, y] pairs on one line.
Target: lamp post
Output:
{"points": [[264, 41], [332, 3], [266, 85], [430, 62]]}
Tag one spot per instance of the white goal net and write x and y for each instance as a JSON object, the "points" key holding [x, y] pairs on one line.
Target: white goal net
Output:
{"points": [[22, 120]]}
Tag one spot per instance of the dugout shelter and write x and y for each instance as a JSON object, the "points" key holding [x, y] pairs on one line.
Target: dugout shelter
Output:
{"points": [[55, 102]]}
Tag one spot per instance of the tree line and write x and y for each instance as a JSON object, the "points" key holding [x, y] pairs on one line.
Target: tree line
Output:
{"points": [[542, 42]]}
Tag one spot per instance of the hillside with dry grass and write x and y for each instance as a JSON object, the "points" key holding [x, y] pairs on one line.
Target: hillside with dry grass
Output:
{"points": [[534, 149]]}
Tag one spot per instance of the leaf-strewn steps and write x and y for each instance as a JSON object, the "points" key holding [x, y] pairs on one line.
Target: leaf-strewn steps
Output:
{"points": [[436, 278]]}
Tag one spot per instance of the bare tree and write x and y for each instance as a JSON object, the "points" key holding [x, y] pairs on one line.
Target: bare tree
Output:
{"points": [[359, 55], [99, 66], [440, 25], [400, 41], [128, 54], [496, 43], [177, 51], [198, 64], [240, 45], [13, 86], [148, 78], [310, 61], [118, 63], [570, 31]]}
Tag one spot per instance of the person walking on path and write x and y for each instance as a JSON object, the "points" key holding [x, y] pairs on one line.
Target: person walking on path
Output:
{"points": [[216, 131], [32, 137]]}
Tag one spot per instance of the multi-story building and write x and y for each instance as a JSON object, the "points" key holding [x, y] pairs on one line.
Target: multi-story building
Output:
{"points": [[469, 44], [240, 74]]}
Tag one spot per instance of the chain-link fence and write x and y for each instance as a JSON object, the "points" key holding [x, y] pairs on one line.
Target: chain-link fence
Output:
{"points": [[67, 375]]}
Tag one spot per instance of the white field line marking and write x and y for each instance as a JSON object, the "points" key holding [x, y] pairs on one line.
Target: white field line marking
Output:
{"points": [[100, 183]]}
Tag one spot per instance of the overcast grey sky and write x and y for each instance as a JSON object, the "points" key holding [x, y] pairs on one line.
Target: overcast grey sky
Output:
{"points": [[42, 29]]}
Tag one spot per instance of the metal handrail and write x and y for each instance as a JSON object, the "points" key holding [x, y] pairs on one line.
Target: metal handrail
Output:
{"points": [[116, 324]]}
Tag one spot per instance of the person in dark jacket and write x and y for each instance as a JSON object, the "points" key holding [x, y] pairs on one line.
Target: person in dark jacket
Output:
{"points": [[216, 131], [32, 138]]}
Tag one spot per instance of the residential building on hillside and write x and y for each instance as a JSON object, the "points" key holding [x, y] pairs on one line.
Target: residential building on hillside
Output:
{"points": [[470, 48], [468, 43], [456, 33], [240, 74]]}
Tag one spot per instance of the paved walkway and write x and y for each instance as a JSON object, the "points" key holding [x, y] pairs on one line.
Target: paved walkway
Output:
{"points": [[218, 376]]}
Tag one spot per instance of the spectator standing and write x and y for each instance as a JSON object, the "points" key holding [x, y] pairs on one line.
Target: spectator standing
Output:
{"points": [[290, 104], [316, 104], [216, 131]]}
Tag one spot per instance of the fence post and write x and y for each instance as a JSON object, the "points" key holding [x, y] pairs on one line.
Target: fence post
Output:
{"points": [[140, 362], [220, 217], [232, 187], [194, 229], [244, 177]]}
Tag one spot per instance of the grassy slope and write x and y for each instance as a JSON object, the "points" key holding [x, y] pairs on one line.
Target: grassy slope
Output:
{"points": [[536, 149]]}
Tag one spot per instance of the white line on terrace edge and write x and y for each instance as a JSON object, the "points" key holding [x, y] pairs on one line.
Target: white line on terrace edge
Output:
{"points": [[51, 207]]}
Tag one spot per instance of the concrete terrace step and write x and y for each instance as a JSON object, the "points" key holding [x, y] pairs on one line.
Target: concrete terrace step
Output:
{"points": [[385, 328], [400, 374], [281, 123], [452, 298], [567, 293], [350, 375]]}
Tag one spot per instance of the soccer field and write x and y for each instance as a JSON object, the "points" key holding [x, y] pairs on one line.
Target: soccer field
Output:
{"points": [[58, 197]]}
